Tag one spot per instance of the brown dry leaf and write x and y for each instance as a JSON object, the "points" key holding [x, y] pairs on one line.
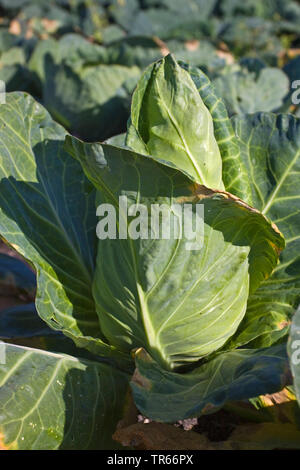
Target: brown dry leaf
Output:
{"points": [[15, 27], [159, 436], [192, 44], [229, 59], [283, 324], [162, 46]]}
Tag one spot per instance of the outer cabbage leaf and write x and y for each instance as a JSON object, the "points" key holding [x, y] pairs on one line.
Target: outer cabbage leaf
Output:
{"points": [[170, 121], [48, 215], [181, 305], [270, 149], [236, 375], [54, 401]]}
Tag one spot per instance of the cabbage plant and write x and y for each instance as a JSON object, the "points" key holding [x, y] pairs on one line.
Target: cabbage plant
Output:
{"points": [[181, 330]]}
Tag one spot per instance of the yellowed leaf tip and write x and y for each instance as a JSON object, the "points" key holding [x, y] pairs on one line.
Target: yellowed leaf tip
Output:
{"points": [[4, 446]]}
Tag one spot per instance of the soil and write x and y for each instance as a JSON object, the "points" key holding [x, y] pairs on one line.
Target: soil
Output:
{"points": [[216, 427]]}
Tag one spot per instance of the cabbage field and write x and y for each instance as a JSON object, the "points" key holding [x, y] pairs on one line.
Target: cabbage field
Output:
{"points": [[149, 225]]}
